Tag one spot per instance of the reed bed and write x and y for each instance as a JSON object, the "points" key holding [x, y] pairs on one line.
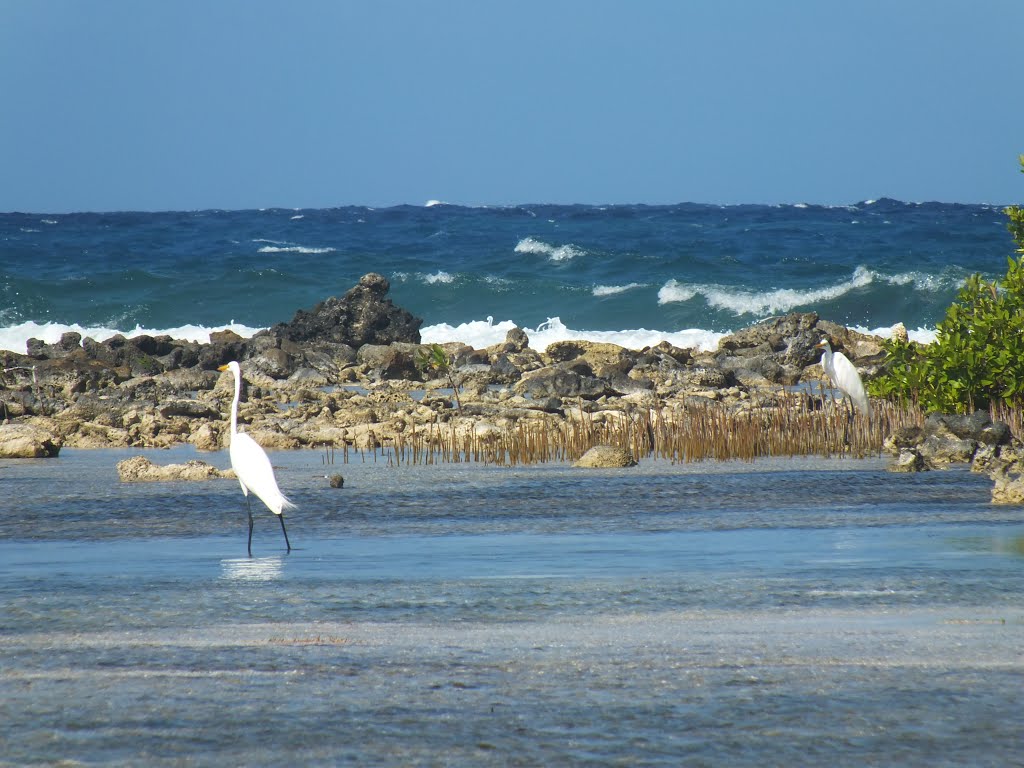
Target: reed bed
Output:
{"points": [[675, 433]]}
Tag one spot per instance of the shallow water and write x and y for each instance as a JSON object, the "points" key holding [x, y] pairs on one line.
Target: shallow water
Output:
{"points": [[778, 612]]}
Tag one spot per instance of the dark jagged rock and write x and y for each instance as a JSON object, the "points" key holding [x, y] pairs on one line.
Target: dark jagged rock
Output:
{"points": [[69, 342], [363, 315], [789, 338], [781, 348]]}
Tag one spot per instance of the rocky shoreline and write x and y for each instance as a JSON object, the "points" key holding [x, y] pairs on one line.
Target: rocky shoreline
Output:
{"points": [[349, 373]]}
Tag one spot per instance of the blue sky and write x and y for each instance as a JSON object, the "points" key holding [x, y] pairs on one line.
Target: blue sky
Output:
{"points": [[121, 104]]}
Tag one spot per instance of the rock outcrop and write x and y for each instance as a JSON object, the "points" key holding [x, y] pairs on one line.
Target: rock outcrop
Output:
{"points": [[945, 439], [26, 441], [139, 469], [361, 316], [606, 457]]}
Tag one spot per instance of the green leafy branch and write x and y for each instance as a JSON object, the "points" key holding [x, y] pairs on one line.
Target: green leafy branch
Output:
{"points": [[435, 361]]}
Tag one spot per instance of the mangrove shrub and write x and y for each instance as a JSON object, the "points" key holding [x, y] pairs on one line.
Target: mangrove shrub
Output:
{"points": [[978, 353]]}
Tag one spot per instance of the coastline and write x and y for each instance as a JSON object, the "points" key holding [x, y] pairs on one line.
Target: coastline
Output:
{"points": [[349, 374]]}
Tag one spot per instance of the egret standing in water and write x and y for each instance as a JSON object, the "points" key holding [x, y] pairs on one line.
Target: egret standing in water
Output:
{"points": [[843, 375], [252, 466]]}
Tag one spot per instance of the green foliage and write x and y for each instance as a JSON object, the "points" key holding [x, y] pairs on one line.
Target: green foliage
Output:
{"points": [[978, 354], [435, 361]]}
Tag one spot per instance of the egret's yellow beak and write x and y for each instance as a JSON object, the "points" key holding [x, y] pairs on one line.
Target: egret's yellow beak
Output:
{"points": [[222, 367]]}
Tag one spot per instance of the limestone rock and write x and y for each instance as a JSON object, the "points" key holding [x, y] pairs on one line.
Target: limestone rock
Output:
{"points": [[562, 382], [909, 460], [24, 441], [606, 456], [1008, 486], [601, 358], [391, 361], [950, 439], [139, 469]]}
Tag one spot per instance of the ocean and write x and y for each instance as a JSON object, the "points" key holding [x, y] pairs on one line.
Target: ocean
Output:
{"points": [[630, 274]]}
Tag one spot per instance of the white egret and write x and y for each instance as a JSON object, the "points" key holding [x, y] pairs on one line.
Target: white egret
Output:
{"points": [[252, 466], [844, 376]]}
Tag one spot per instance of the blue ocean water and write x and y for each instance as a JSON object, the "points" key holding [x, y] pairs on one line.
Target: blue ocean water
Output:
{"points": [[627, 273]]}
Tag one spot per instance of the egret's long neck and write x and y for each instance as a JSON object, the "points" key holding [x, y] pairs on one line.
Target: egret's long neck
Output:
{"points": [[234, 406]]}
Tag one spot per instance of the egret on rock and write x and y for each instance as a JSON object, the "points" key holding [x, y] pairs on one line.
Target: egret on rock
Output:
{"points": [[251, 465], [843, 375]]}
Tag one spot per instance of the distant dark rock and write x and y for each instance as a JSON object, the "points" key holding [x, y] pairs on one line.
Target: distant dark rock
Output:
{"points": [[363, 315]]}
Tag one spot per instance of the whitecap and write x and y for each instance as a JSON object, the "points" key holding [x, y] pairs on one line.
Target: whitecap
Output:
{"points": [[673, 291], [432, 203], [923, 281], [611, 290], [553, 252], [293, 249], [438, 277], [763, 303]]}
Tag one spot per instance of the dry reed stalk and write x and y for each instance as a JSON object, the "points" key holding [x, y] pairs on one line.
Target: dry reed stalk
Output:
{"points": [[796, 426]]}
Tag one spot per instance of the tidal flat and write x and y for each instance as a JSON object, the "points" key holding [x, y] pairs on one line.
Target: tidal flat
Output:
{"points": [[775, 612]]}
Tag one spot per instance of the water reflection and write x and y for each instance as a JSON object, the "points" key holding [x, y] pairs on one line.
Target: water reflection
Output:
{"points": [[252, 568]]}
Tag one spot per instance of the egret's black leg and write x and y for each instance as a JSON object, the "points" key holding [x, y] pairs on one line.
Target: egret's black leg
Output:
{"points": [[285, 532], [248, 505]]}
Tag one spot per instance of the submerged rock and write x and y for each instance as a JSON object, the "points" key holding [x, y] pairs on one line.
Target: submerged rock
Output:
{"points": [[909, 460], [139, 469], [606, 457]]}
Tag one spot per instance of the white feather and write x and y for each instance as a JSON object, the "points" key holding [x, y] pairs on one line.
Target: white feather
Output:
{"points": [[844, 376]]}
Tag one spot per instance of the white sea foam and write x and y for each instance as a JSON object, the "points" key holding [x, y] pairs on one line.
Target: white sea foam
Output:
{"points": [[782, 300], [293, 249], [484, 333], [15, 337], [432, 203], [553, 252], [477, 333], [438, 277], [920, 335], [611, 290]]}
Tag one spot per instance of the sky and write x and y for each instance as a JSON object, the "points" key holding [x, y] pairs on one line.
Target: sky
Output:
{"points": [[237, 104]]}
